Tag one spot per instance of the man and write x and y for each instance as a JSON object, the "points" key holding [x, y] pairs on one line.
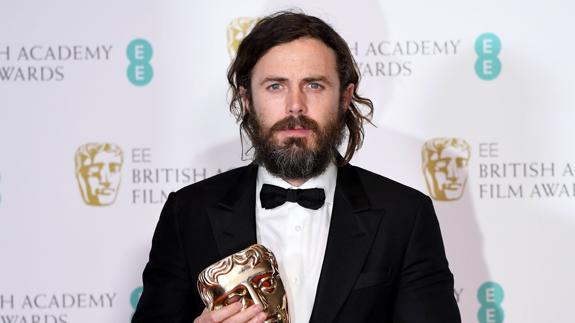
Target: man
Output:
{"points": [[367, 250]]}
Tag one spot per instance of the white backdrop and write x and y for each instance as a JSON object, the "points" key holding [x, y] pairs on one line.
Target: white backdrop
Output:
{"points": [[65, 81]]}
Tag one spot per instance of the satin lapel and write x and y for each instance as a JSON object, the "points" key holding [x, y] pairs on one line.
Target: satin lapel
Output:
{"points": [[352, 229], [233, 219]]}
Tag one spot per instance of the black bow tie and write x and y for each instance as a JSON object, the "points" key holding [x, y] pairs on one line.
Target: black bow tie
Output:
{"points": [[273, 196]]}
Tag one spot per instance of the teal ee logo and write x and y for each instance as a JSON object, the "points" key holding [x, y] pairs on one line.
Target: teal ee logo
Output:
{"points": [[487, 65], [135, 297], [490, 296], [139, 52]]}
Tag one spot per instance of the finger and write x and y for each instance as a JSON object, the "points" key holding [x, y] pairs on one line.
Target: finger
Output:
{"points": [[258, 318], [246, 315], [199, 318], [225, 312], [202, 317]]}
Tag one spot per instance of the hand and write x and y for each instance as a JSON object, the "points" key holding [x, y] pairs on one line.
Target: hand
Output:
{"points": [[233, 314]]}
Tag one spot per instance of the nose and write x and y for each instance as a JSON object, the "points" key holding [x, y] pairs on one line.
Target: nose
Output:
{"points": [[452, 170], [105, 175], [255, 297], [296, 104]]}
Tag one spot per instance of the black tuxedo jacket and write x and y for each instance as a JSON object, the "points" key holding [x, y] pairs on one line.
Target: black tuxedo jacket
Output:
{"points": [[384, 260]]}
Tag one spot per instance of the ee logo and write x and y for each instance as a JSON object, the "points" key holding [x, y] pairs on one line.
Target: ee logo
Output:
{"points": [[135, 297], [139, 52], [490, 296], [487, 65]]}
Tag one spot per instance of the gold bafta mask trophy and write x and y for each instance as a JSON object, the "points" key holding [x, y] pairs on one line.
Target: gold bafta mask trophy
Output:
{"points": [[250, 276]]}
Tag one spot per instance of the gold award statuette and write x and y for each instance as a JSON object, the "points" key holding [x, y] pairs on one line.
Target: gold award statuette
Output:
{"points": [[250, 276]]}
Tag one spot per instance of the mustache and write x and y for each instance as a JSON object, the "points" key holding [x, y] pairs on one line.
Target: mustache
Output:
{"points": [[291, 122]]}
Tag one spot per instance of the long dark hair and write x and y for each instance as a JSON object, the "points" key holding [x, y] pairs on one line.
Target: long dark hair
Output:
{"points": [[284, 27]]}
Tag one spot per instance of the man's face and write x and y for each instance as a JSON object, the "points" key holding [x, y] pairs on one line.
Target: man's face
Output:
{"points": [[102, 177], [448, 170], [296, 98]]}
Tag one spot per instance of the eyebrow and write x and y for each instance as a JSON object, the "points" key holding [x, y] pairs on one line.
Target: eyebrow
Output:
{"points": [[320, 78], [273, 79], [308, 79]]}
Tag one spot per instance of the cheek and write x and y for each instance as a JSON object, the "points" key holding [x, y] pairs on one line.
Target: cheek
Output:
{"points": [[461, 174], [268, 105], [267, 120], [93, 181], [267, 117], [440, 177], [323, 110], [114, 176]]}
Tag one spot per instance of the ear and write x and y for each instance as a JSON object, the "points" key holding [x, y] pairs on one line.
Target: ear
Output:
{"points": [[346, 96], [244, 98]]}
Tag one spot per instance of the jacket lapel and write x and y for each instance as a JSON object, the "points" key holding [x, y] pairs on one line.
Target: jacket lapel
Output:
{"points": [[353, 226], [233, 219]]}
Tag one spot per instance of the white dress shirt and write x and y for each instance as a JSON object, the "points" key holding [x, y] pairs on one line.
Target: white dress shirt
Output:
{"points": [[297, 236]]}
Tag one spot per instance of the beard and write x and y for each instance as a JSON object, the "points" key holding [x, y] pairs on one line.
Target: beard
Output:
{"points": [[297, 157]]}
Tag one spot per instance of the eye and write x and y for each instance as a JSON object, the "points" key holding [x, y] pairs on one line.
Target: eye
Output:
{"points": [[274, 86], [267, 284], [440, 165], [234, 297], [114, 167], [95, 169], [315, 86]]}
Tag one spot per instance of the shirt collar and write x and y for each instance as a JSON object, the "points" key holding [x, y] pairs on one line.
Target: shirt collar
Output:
{"points": [[325, 180]]}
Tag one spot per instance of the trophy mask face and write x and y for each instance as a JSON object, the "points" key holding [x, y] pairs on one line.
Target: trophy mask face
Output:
{"points": [[98, 171], [445, 165], [250, 276]]}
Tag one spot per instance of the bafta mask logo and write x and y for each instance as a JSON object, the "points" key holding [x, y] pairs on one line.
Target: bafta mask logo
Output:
{"points": [[237, 30], [445, 167], [98, 170], [250, 276]]}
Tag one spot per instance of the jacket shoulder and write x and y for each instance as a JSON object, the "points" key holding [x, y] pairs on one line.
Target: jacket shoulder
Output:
{"points": [[215, 187], [380, 188]]}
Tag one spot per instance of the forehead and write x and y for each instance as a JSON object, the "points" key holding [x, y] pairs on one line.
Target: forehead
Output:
{"points": [[300, 58], [107, 157], [243, 273], [454, 151]]}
